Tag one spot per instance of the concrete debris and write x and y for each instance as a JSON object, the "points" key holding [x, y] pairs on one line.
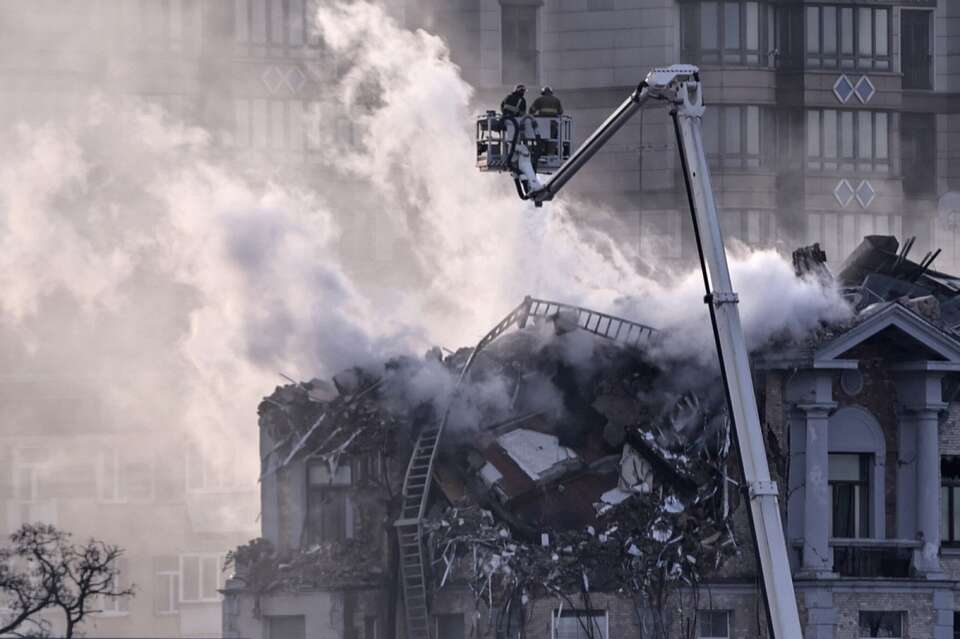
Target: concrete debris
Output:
{"points": [[569, 464], [636, 473], [879, 271], [539, 455], [811, 261]]}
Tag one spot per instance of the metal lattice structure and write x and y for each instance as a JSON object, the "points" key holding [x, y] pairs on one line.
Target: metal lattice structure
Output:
{"points": [[416, 483]]}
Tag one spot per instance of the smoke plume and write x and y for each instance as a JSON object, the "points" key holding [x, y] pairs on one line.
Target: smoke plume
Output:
{"points": [[178, 283]]}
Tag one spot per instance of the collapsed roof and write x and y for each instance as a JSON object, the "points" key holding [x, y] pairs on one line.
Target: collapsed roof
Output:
{"points": [[571, 461], [879, 272]]}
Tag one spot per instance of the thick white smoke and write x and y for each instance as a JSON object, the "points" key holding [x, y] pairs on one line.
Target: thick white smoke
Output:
{"points": [[133, 255]]}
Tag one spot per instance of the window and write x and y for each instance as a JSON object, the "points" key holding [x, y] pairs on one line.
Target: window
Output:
{"points": [[600, 5], [713, 624], [286, 627], [519, 39], [847, 37], [371, 628], [788, 36], [840, 234], [661, 234], [207, 473], [27, 468], [725, 31], [329, 506], [290, 125], [752, 227], [950, 499], [166, 585], [153, 24], [915, 49], [449, 627], [125, 475], [875, 623], [113, 606], [276, 22], [732, 136], [850, 494], [201, 576], [918, 153], [848, 141], [580, 624]]}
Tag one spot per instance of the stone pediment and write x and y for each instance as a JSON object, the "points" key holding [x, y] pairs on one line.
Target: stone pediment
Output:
{"points": [[897, 334]]}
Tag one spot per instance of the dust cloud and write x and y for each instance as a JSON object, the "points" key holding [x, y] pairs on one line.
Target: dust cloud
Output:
{"points": [[177, 281]]}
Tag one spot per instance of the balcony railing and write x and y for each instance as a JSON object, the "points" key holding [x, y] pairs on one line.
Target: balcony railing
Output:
{"points": [[873, 558]]}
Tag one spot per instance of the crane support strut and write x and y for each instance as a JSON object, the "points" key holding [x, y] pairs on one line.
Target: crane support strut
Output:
{"points": [[687, 112], [679, 87]]}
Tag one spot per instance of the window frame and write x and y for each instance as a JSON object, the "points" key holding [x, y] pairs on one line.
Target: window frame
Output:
{"points": [[950, 536], [849, 124], [171, 580], [723, 158], [201, 557], [213, 478], [371, 627], [343, 488], [507, 49], [728, 620], [838, 58], [140, 30], [929, 80], [243, 26], [112, 481], [28, 467], [562, 613], [691, 34], [116, 606], [862, 504], [436, 623], [268, 621], [901, 617]]}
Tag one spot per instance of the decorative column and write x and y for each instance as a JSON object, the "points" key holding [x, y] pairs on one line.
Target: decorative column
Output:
{"points": [[817, 556], [811, 394], [920, 397]]}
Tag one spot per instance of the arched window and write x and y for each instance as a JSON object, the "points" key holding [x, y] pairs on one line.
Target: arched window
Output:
{"points": [[856, 470]]}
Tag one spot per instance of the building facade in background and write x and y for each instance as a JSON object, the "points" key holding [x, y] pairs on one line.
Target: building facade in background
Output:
{"points": [[826, 121], [68, 462]]}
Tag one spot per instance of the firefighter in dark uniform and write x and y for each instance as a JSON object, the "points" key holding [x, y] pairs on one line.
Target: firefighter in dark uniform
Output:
{"points": [[515, 105], [547, 105], [514, 112]]}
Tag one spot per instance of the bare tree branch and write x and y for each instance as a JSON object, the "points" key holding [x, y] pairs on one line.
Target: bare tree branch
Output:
{"points": [[43, 570]]}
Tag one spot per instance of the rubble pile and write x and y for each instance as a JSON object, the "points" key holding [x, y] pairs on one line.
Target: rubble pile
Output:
{"points": [[602, 476], [644, 543], [879, 272], [570, 464]]}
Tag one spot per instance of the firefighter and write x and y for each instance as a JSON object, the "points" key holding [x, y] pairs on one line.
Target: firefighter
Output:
{"points": [[515, 105], [547, 105]]}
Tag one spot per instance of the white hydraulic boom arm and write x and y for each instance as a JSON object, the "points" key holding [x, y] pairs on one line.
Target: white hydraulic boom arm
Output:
{"points": [[679, 86]]}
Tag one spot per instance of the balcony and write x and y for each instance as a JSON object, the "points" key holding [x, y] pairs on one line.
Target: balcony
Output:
{"points": [[873, 558]]}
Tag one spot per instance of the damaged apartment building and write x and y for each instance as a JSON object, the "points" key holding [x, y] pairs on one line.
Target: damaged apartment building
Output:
{"points": [[562, 480]]}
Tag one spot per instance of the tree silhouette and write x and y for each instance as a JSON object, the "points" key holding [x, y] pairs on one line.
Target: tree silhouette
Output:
{"points": [[43, 570]]}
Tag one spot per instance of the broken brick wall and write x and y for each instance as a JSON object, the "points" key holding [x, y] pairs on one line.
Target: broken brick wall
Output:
{"points": [[950, 431]]}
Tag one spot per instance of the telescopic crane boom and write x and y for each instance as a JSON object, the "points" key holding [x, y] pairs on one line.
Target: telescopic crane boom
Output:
{"points": [[679, 87]]}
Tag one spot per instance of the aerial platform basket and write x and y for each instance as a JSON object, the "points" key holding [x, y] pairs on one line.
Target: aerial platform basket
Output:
{"points": [[551, 142]]}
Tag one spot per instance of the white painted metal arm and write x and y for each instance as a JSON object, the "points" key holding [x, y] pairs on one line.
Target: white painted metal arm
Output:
{"points": [[660, 84], [735, 366]]}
